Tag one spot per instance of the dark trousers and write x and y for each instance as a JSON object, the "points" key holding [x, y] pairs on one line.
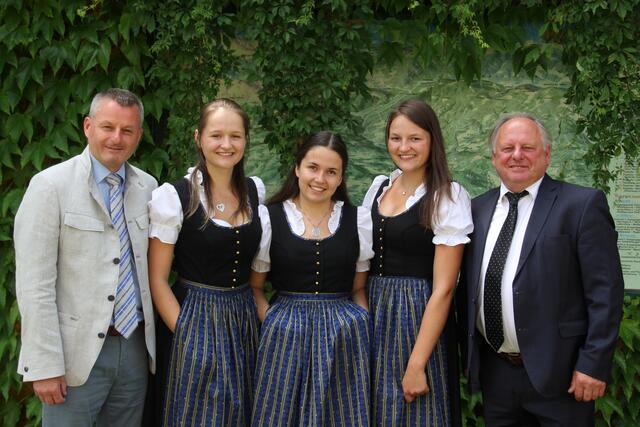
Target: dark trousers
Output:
{"points": [[510, 399]]}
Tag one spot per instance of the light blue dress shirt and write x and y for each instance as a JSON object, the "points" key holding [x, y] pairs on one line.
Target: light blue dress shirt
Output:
{"points": [[100, 172]]}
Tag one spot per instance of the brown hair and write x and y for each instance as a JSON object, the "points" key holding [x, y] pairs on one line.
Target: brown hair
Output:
{"points": [[437, 178], [238, 178]]}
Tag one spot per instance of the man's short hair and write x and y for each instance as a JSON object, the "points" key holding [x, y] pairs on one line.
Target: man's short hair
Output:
{"points": [[544, 134], [123, 97]]}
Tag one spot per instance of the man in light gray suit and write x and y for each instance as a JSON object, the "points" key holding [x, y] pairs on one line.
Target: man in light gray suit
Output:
{"points": [[81, 275]]}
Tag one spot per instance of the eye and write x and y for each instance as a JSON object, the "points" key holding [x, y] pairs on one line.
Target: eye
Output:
{"points": [[127, 131], [107, 127], [394, 138], [333, 172]]}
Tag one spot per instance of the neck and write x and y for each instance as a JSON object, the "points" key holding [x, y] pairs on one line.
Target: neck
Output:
{"points": [[409, 181], [313, 209], [220, 178]]}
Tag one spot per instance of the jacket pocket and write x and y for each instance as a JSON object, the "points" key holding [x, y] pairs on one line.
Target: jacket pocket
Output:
{"points": [[83, 222], [68, 332], [82, 235], [143, 221], [572, 328]]}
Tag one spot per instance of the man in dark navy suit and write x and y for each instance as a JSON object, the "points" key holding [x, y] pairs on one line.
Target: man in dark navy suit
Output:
{"points": [[541, 290]]}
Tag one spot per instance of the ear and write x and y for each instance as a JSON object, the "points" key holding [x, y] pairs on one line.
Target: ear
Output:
{"points": [[86, 124], [547, 155], [196, 137], [297, 172]]}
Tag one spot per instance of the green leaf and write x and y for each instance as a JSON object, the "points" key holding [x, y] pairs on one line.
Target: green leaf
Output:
{"points": [[104, 52]]}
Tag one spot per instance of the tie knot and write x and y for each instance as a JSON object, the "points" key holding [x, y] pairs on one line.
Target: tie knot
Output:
{"points": [[113, 179], [515, 197]]}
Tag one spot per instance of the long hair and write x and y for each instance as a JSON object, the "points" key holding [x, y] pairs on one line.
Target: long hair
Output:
{"points": [[238, 178], [290, 189], [437, 178]]}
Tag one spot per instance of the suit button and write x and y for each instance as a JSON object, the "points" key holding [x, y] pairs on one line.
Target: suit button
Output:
{"points": [[100, 335], [116, 260], [111, 297], [26, 369]]}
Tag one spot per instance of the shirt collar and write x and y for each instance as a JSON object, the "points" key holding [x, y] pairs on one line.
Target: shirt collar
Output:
{"points": [[100, 171], [532, 189]]}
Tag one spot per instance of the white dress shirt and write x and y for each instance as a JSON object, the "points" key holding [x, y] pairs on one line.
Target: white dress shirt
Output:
{"points": [[525, 207]]}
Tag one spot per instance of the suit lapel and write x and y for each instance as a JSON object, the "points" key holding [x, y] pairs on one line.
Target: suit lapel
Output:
{"points": [[94, 191], [482, 221], [545, 199]]}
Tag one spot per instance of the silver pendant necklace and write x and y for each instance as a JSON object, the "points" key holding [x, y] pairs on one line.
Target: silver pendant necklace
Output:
{"points": [[220, 206], [315, 228]]}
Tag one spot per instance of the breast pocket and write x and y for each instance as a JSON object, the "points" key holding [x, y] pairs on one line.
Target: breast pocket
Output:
{"points": [[81, 235]]}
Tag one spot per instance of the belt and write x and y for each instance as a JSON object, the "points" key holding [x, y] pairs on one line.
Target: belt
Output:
{"points": [[113, 332], [513, 358]]}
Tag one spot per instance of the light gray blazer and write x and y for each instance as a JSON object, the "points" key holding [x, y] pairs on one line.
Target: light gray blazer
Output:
{"points": [[65, 246]]}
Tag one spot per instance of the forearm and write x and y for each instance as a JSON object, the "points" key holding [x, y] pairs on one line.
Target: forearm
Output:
{"points": [[433, 321], [160, 259], [165, 302], [256, 281], [446, 267], [358, 292]]}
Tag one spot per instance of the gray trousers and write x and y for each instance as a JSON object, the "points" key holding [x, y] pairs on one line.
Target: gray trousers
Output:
{"points": [[113, 395]]}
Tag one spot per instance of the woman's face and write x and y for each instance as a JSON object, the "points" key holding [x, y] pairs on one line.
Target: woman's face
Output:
{"points": [[409, 145], [223, 139], [319, 174]]}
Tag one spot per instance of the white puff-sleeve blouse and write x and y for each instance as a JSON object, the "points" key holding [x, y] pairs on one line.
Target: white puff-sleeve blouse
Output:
{"points": [[453, 222], [165, 210], [262, 260]]}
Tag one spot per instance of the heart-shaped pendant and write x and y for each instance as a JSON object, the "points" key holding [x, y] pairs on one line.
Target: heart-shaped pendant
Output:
{"points": [[220, 207]]}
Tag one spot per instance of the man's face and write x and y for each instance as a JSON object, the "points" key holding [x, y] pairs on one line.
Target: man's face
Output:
{"points": [[113, 133], [520, 157]]}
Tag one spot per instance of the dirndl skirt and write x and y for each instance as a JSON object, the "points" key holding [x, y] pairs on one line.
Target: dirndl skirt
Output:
{"points": [[396, 307], [313, 363], [210, 374]]}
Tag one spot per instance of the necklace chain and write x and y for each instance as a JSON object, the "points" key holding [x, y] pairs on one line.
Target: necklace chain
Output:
{"points": [[315, 228]]}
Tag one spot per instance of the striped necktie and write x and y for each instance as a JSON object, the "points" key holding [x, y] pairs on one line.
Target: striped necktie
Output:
{"points": [[125, 317]]}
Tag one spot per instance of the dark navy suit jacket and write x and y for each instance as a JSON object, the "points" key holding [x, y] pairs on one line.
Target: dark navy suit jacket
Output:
{"points": [[567, 291]]}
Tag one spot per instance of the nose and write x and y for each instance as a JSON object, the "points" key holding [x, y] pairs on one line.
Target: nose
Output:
{"points": [[226, 141], [517, 153], [320, 176], [404, 145]]}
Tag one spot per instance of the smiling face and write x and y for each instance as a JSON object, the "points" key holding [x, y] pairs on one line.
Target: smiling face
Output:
{"points": [[113, 133], [408, 144], [319, 174], [223, 139], [520, 157]]}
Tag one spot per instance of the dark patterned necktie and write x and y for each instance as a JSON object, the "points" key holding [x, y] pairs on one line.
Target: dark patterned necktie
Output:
{"points": [[493, 278]]}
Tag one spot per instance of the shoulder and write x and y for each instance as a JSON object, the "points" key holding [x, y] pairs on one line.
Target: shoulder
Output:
{"points": [[373, 190], [61, 175], [144, 177]]}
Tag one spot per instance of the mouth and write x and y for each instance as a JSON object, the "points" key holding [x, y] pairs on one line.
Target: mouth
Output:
{"points": [[225, 153], [316, 189], [406, 156]]}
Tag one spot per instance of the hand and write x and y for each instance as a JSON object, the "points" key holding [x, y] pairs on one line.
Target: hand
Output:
{"points": [[262, 311], [414, 383], [586, 388], [51, 391]]}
